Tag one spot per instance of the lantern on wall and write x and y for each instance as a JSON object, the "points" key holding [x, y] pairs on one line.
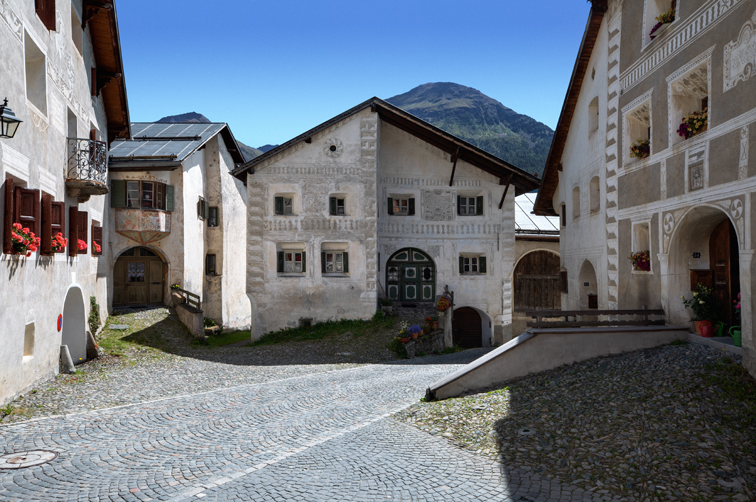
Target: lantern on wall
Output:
{"points": [[8, 121]]}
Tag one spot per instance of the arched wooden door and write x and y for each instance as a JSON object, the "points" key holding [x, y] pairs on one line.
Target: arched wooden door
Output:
{"points": [[138, 278], [725, 269], [536, 282], [411, 276], [467, 330]]}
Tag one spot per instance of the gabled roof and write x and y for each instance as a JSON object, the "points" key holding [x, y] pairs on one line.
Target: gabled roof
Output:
{"points": [[527, 223], [522, 181], [156, 145], [544, 201]]}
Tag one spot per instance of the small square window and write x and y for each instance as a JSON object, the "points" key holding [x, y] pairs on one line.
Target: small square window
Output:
{"points": [[472, 265], [284, 205], [334, 262], [292, 262], [401, 206], [467, 205]]}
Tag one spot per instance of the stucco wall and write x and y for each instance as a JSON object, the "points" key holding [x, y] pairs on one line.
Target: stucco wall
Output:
{"points": [[33, 290]]}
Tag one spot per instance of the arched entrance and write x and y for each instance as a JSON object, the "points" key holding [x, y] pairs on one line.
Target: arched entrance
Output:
{"points": [[74, 331], [588, 286], [704, 248], [467, 328], [138, 277], [411, 276], [536, 282]]}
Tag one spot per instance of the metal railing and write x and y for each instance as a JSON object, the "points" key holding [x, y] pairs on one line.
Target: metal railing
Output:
{"points": [[87, 160]]}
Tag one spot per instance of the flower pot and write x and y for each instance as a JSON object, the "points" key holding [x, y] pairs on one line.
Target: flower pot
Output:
{"points": [[212, 330], [434, 325], [707, 329], [415, 335], [404, 339], [698, 327], [737, 336]]}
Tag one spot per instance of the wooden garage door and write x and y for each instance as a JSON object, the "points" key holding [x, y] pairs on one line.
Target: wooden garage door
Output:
{"points": [[467, 331], [536, 282]]}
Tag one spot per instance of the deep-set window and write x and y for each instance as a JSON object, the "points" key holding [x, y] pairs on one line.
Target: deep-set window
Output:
{"points": [[284, 205], [472, 265], [335, 262], [401, 206], [212, 219], [337, 206], [291, 262], [469, 206], [210, 268]]}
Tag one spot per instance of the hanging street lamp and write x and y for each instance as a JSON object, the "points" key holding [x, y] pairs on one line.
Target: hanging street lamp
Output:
{"points": [[8, 121]]}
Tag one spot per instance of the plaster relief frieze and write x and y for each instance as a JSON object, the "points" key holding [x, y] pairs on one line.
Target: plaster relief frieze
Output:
{"points": [[433, 182], [663, 178], [12, 20], [743, 164], [740, 56], [696, 176], [312, 170], [438, 205], [39, 121]]}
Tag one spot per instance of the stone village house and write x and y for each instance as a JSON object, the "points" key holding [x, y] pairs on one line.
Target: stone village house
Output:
{"points": [[177, 216], [689, 203], [63, 76], [378, 203]]}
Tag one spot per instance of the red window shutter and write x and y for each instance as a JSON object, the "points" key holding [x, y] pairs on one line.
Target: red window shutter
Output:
{"points": [[27, 208], [73, 230], [46, 12], [58, 219], [96, 237], [8, 217], [83, 228], [46, 235]]}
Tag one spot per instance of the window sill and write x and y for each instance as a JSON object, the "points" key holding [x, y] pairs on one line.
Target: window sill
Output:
{"points": [[642, 272], [291, 274], [472, 274], [334, 274]]}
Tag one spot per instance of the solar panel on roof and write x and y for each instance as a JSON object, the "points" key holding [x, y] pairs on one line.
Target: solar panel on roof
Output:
{"points": [[192, 136]]}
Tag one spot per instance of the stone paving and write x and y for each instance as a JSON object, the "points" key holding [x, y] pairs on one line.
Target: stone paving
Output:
{"points": [[323, 436]]}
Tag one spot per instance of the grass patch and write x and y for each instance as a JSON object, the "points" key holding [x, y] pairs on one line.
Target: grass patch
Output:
{"points": [[379, 322], [228, 338]]}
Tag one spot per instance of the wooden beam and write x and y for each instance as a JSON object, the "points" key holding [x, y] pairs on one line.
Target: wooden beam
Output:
{"points": [[506, 189], [454, 166]]}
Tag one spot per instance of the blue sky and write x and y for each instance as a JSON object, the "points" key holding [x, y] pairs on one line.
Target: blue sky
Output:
{"points": [[273, 69]]}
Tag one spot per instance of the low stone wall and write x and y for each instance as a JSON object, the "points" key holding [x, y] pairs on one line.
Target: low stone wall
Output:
{"points": [[192, 318], [428, 344]]}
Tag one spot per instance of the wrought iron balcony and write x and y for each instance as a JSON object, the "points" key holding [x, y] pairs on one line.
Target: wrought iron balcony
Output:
{"points": [[87, 168]]}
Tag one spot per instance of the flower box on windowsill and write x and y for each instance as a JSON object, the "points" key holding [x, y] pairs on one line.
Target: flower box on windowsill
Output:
{"points": [[659, 31]]}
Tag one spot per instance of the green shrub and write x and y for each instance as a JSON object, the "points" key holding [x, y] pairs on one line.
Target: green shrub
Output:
{"points": [[94, 315], [398, 347]]}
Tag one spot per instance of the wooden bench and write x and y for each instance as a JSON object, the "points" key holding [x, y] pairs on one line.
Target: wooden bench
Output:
{"points": [[594, 318]]}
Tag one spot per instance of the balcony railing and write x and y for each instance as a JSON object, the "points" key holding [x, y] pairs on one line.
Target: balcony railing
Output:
{"points": [[87, 168]]}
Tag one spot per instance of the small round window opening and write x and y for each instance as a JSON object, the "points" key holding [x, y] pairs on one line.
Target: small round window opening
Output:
{"points": [[332, 148]]}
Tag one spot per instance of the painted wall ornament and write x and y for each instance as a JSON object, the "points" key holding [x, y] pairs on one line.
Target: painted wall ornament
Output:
{"points": [[438, 205], [743, 164], [333, 147], [740, 55]]}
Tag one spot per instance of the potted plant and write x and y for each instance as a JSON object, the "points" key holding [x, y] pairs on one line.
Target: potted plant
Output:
{"points": [[432, 322], [662, 19], [24, 240], [641, 149], [415, 331], [694, 123], [426, 328], [443, 304], [403, 336], [641, 261], [211, 328], [703, 305], [82, 245], [59, 243], [735, 331]]}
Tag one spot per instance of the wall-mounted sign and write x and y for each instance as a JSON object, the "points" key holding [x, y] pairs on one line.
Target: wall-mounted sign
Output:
{"points": [[60, 322], [696, 255]]}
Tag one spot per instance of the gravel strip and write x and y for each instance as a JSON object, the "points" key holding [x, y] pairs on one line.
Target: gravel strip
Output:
{"points": [[645, 426]]}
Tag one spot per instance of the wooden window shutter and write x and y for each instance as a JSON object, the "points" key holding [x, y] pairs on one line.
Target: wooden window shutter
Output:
{"points": [[96, 237], [278, 203], [93, 81], [322, 263], [73, 230], [563, 281], [482, 264], [169, 197], [390, 205], [117, 193], [280, 262], [346, 263], [83, 228], [411, 206], [46, 235], [479, 204], [304, 261], [27, 208], [461, 265], [459, 204], [206, 209], [332, 205], [8, 217], [46, 12], [58, 219]]}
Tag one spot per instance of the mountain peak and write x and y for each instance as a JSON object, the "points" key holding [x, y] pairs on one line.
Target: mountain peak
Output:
{"points": [[191, 117], [481, 120]]}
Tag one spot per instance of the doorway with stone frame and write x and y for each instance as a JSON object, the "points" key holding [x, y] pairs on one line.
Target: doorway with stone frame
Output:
{"points": [[139, 278]]}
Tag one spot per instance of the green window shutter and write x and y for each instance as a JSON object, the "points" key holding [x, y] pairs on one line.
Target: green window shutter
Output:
{"points": [[461, 265], [479, 204], [346, 263], [391, 206], [117, 193], [459, 204], [280, 262], [304, 261], [332, 205], [322, 263], [482, 264], [411, 207], [169, 197], [279, 205]]}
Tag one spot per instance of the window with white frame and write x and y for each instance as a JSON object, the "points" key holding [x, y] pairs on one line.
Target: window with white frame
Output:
{"points": [[36, 74], [291, 261], [472, 264], [636, 129], [641, 247], [77, 33], [658, 15], [401, 206], [688, 93], [469, 205]]}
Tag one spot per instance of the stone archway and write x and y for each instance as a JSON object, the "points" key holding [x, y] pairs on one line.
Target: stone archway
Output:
{"points": [[588, 286], [411, 276], [74, 331], [703, 248], [139, 276]]}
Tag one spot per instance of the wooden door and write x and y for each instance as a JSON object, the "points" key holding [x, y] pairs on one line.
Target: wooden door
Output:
{"points": [[156, 281], [119, 283], [467, 331], [536, 282], [136, 281], [410, 276], [724, 267]]}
